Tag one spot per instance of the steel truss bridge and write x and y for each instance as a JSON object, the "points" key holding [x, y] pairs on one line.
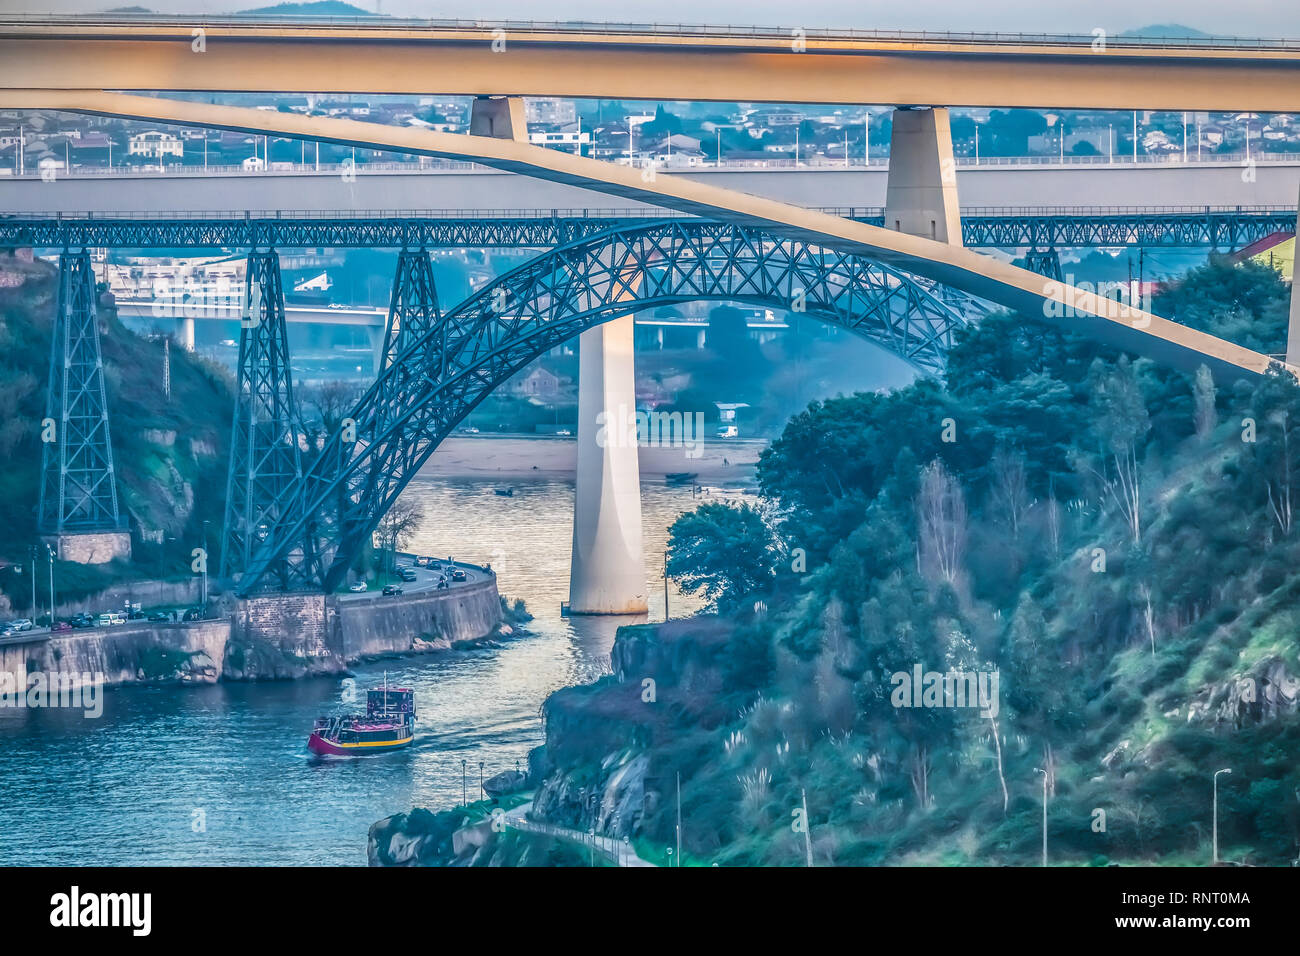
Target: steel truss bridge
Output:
{"points": [[442, 368], [1216, 227]]}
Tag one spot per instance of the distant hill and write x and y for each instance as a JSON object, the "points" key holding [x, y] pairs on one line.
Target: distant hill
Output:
{"points": [[1172, 30], [322, 8]]}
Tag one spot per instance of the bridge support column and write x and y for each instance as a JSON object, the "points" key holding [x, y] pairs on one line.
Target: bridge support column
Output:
{"points": [[265, 458], [1293, 329], [501, 117], [185, 333], [78, 511], [921, 199], [607, 574]]}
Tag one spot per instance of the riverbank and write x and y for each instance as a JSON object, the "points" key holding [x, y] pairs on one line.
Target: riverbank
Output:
{"points": [[269, 637], [728, 461]]}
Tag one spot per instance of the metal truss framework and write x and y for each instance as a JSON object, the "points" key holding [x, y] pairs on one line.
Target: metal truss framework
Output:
{"points": [[266, 472], [1045, 262], [1215, 228], [78, 487], [433, 383]]}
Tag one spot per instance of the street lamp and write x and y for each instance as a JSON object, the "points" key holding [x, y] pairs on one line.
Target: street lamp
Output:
{"points": [[50, 553], [1044, 773], [1216, 813], [205, 568], [464, 794]]}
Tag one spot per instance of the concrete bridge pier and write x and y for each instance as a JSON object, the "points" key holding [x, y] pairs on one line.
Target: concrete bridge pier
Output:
{"points": [[921, 197], [185, 333], [607, 571]]}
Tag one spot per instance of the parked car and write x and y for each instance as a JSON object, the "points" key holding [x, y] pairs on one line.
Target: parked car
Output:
{"points": [[357, 587], [82, 620], [457, 574], [20, 624], [390, 589], [160, 616], [58, 626]]}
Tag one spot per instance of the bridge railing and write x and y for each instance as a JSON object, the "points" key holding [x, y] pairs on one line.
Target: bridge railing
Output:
{"points": [[381, 25], [632, 213]]}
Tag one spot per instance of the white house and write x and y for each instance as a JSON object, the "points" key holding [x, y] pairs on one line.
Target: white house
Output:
{"points": [[155, 144]]}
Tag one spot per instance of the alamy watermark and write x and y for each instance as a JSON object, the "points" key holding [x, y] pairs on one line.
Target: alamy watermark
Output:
{"points": [[922, 688], [39, 689], [623, 428]]}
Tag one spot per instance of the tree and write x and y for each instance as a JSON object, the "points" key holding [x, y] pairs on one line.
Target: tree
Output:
{"points": [[941, 522], [397, 525], [1009, 488], [330, 402], [1204, 394], [1121, 427], [721, 552]]}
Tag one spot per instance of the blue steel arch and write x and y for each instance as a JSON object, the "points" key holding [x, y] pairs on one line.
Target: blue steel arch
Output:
{"points": [[436, 380]]}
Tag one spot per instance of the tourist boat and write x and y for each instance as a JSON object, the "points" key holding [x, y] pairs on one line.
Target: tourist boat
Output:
{"points": [[387, 724], [679, 477]]}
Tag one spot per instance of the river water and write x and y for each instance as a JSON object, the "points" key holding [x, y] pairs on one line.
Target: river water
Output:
{"points": [[220, 775]]}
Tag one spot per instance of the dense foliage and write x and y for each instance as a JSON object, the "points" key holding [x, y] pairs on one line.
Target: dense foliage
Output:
{"points": [[1114, 539]]}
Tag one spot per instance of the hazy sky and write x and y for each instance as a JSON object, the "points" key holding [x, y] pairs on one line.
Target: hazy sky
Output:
{"points": [[1261, 18]]}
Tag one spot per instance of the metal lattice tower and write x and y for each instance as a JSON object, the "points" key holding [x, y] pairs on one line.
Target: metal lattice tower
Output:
{"points": [[265, 460], [412, 312], [78, 486], [413, 309], [1045, 262]]}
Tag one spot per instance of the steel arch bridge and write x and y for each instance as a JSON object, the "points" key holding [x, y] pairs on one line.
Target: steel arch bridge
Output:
{"points": [[441, 375]]}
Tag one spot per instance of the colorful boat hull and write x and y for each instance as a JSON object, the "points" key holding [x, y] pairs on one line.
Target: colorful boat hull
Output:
{"points": [[332, 748]]}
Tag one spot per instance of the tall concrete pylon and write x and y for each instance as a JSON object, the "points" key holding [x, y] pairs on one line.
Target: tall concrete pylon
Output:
{"points": [[1293, 328], [921, 199], [607, 568], [607, 572]]}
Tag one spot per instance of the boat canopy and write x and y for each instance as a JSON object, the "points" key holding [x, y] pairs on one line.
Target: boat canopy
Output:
{"points": [[394, 700]]}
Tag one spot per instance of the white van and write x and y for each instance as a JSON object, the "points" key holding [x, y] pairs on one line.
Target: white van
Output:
{"points": [[110, 618]]}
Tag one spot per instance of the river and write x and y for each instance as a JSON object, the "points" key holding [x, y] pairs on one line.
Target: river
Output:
{"points": [[220, 775]]}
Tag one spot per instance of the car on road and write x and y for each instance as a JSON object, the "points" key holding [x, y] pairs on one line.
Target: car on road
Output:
{"points": [[81, 620], [458, 575], [110, 619], [58, 626], [391, 589], [358, 587], [407, 575], [424, 561], [20, 624], [160, 616]]}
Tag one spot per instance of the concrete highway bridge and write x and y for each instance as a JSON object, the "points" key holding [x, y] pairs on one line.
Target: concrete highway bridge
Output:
{"points": [[293, 526]]}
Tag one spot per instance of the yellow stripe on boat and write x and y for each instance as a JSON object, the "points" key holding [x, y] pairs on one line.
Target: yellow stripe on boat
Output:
{"points": [[375, 743]]}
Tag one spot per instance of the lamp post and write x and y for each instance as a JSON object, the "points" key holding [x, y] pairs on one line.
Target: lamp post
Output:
{"points": [[464, 793], [482, 794], [50, 554], [205, 569], [1044, 773], [1215, 840]]}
